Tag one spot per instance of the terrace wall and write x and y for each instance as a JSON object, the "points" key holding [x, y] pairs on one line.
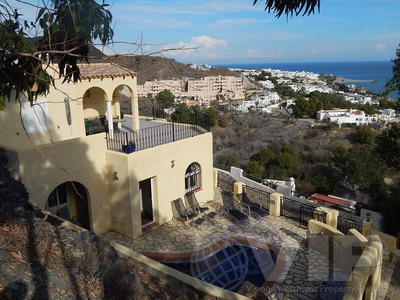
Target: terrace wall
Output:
{"points": [[166, 165]]}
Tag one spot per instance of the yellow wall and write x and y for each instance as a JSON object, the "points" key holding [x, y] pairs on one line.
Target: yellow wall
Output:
{"points": [[64, 153], [13, 136], [168, 182], [94, 103], [81, 160]]}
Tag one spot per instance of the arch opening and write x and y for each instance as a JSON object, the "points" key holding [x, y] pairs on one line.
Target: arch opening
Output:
{"points": [[95, 110], [192, 178], [70, 201], [122, 100]]}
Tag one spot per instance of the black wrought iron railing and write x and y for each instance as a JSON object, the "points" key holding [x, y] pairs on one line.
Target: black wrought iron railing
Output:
{"points": [[225, 182], [151, 137], [258, 196], [346, 222], [301, 212]]}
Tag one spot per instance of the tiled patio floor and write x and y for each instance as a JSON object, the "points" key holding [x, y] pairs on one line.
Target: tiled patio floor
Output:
{"points": [[303, 272]]}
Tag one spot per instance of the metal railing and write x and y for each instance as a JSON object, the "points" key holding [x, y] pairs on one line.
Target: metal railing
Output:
{"points": [[258, 196], [346, 222], [301, 212], [225, 182], [151, 137]]}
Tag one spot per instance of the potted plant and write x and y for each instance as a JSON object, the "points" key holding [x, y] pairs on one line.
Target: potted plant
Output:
{"points": [[129, 147]]}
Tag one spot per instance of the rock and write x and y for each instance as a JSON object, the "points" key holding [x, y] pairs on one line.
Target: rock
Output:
{"points": [[58, 282], [248, 289]]}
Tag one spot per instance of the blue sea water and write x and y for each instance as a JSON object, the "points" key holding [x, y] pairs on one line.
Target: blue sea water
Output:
{"points": [[381, 71]]}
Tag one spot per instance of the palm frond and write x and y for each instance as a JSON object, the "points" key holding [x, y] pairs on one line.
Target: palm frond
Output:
{"points": [[291, 7]]}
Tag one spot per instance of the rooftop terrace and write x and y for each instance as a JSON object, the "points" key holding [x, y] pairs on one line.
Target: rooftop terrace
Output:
{"points": [[152, 133]]}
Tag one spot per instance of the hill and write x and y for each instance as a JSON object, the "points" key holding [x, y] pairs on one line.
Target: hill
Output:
{"points": [[155, 67]]}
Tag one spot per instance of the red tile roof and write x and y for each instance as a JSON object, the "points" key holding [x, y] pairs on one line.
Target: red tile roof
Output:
{"points": [[328, 200], [103, 70]]}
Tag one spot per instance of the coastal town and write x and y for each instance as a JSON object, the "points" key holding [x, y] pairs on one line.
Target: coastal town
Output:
{"points": [[256, 91]]}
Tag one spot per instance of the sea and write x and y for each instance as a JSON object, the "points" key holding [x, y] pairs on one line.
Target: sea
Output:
{"points": [[380, 71]]}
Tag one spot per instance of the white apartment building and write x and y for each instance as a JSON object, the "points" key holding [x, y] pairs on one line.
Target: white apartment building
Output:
{"points": [[156, 86], [208, 88], [309, 88], [346, 116], [267, 84]]}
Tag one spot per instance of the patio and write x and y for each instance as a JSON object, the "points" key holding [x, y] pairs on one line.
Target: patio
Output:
{"points": [[302, 272]]}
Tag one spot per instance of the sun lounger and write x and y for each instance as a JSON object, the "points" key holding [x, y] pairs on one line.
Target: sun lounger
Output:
{"points": [[179, 212], [253, 207], [229, 206], [191, 201]]}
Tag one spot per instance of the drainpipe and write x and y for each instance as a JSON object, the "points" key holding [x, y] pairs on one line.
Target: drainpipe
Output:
{"points": [[109, 119]]}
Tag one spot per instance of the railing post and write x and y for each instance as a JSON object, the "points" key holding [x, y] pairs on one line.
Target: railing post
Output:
{"points": [[173, 131], [301, 214], [275, 204]]}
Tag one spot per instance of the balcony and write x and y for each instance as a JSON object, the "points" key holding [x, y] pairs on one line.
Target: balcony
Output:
{"points": [[154, 133]]}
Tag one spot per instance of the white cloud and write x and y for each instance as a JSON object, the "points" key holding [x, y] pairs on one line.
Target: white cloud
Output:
{"points": [[198, 46], [380, 47], [317, 51], [253, 53]]}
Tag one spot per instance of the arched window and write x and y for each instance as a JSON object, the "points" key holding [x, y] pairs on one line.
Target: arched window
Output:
{"points": [[192, 178]]}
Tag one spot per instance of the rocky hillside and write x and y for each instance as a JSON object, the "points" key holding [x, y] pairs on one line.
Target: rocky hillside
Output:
{"points": [[156, 67]]}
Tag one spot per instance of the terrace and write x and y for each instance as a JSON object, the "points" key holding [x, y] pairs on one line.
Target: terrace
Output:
{"points": [[153, 133], [299, 273]]}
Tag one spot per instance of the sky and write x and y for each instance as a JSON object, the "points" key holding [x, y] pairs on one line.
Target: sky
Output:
{"points": [[235, 31]]}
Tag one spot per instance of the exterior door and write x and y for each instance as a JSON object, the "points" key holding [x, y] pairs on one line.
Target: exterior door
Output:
{"points": [[146, 201]]}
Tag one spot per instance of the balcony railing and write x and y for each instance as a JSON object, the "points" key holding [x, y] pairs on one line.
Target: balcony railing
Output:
{"points": [[128, 142]]}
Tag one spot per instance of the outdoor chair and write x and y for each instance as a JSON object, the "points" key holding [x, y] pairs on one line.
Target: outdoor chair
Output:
{"points": [[252, 206], [179, 212], [191, 201], [229, 206]]}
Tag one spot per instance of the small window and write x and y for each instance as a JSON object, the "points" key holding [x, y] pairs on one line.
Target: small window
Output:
{"points": [[192, 178], [58, 198]]}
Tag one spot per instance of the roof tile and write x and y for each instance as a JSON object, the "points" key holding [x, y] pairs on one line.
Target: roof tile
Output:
{"points": [[103, 70]]}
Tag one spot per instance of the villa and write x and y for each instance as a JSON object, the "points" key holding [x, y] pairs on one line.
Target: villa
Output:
{"points": [[77, 167], [149, 187]]}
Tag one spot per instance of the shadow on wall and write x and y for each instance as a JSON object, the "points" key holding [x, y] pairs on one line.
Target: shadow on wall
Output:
{"points": [[77, 263]]}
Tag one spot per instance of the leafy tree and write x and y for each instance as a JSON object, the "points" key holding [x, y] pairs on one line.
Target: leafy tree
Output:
{"points": [[361, 167], [288, 158], [388, 146], [394, 83], [255, 168], [165, 99], [68, 26], [230, 159], [365, 135], [322, 184], [285, 91], [390, 203], [264, 156], [205, 117]]}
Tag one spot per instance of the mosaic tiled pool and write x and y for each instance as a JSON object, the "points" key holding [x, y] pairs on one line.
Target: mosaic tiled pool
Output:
{"points": [[229, 266]]}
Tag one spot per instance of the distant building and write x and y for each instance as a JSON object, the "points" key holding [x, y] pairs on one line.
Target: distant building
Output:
{"points": [[331, 201], [203, 90], [157, 86], [211, 87], [346, 116]]}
